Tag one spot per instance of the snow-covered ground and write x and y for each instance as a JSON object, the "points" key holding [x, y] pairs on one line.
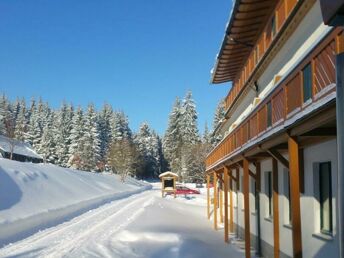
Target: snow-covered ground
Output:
{"points": [[140, 224], [37, 196]]}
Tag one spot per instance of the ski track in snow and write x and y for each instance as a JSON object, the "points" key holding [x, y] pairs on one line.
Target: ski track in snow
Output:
{"points": [[92, 229]]}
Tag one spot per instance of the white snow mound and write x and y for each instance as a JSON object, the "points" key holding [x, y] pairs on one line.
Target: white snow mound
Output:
{"points": [[37, 196]]}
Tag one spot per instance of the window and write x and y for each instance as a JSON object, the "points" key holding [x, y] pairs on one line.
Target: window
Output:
{"points": [[325, 197], [273, 26], [307, 82], [268, 191], [269, 114]]}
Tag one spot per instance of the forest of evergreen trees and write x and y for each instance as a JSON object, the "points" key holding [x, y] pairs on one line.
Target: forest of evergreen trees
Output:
{"points": [[93, 140]]}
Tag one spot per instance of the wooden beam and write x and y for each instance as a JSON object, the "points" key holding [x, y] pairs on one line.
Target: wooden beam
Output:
{"points": [[330, 131], [317, 120], [249, 171], [275, 207], [278, 156], [226, 172], [215, 200], [247, 207], [294, 179], [208, 196]]}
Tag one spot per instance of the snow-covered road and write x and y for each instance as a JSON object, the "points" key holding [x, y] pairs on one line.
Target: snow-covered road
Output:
{"points": [[142, 225]]}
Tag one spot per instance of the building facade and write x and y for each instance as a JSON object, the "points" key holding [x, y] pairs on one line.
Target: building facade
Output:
{"points": [[276, 168]]}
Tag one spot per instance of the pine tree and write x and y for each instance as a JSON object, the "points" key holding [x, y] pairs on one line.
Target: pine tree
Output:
{"points": [[21, 122], [106, 117], [218, 118], [76, 139], [90, 153], [63, 131], [35, 130], [120, 127], [188, 124], [48, 142], [148, 146], [172, 143]]}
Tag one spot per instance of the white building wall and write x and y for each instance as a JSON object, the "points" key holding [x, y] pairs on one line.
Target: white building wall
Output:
{"points": [[266, 228], [314, 243], [286, 243]]}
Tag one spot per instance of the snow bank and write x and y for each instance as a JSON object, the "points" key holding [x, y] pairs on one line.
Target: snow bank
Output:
{"points": [[37, 196]]}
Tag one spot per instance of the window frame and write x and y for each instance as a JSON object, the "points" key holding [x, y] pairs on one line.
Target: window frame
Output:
{"points": [[321, 202]]}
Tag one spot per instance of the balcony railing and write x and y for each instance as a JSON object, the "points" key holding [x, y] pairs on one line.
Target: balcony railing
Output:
{"points": [[287, 98], [280, 15]]}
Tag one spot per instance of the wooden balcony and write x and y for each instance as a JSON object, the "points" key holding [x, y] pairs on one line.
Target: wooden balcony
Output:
{"points": [[282, 14], [286, 100]]}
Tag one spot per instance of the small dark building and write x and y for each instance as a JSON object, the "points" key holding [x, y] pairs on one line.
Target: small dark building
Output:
{"points": [[21, 152]]}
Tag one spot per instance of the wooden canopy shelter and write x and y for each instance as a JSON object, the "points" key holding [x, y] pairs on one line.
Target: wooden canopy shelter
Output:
{"points": [[243, 30], [168, 183]]}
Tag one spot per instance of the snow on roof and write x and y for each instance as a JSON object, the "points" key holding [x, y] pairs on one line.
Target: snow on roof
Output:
{"points": [[20, 148], [168, 173]]}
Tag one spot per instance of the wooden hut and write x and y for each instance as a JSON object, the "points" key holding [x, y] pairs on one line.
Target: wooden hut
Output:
{"points": [[168, 183]]}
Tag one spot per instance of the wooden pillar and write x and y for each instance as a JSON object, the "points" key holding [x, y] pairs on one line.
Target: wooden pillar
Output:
{"points": [[221, 199], [208, 196], [247, 207], [215, 200], [225, 188], [231, 214], [294, 179], [275, 207]]}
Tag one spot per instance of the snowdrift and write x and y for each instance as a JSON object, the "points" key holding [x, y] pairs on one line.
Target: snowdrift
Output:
{"points": [[37, 196]]}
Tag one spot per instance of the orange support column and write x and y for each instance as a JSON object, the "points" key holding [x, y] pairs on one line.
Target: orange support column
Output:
{"points": [[225, 188], [275, 207], [208, 197], [247, 207], [294, 179], [221, 199], [215, 200]]}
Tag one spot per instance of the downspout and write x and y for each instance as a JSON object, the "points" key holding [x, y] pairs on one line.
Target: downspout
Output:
{"points": [[340, 147]]}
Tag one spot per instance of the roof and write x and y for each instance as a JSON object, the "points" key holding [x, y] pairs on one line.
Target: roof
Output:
{"points": [[168, 173], [246, 22], [20, 148]]}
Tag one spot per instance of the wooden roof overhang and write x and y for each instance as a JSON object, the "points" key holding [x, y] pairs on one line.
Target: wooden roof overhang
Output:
{"points": [[246, 23]]}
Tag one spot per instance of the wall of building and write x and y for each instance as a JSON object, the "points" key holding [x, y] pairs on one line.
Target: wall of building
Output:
{"points": [[314, 243]]}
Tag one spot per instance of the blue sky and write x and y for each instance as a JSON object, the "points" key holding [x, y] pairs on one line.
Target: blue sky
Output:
{"points": [[135, 55]]}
